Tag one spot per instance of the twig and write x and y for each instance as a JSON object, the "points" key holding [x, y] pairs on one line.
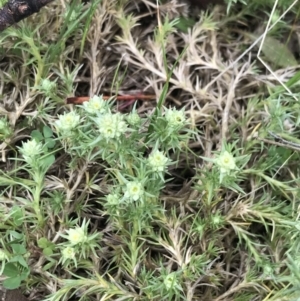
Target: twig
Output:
{"points": [[80, 100], [282, 144], [289, 144]]}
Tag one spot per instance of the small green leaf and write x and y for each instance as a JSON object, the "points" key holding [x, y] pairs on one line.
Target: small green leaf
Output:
{"points": [[18, 249], [278, 53], [16, 235], [20, 260], [10, 270], [24, 274], [17, 215], [50, 142], [47, 251], [47, 161], [47, 132], [185, 23], [49, 265], [12, 283], [43, 242], [37, 135]]}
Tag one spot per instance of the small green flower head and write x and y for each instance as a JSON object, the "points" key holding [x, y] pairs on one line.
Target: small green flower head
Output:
{"points": [[170, 281], [113, 199], [31, 150], [111, 125], [268, 269], [199, 227], [68, 253], [67, 122], [95, 105], [3, 255], [73, 16], [48, 86], [175, 118], [5, 129], [275, 17], [158, 161], [77, 236], [134, 119], [226, 162], [217, 221], [134, 191]]}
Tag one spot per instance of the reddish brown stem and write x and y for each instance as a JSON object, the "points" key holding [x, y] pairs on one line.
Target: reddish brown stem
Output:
{"points": [[81, 99]]}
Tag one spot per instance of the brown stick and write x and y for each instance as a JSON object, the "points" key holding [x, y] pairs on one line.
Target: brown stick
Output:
{"points": [[81, 99], [16, 10]]}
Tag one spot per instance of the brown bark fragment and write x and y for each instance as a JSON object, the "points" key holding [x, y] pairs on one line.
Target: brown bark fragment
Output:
{"points": [[16, 10]]}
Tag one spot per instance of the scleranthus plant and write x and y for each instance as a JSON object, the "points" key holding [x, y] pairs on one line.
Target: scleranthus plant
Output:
{"points": [[115, 136], [227, 166], [169, 129], [77, 236], [176, 119], [38, 160], [134, 191], [79, 244], [31, 151], [67, 127], [168, 284], [136, 152], [67, 123], [111, 125], [68, 255], [96, 105], [133, 119], [158, 161], [48, 87], [5, 129]]}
